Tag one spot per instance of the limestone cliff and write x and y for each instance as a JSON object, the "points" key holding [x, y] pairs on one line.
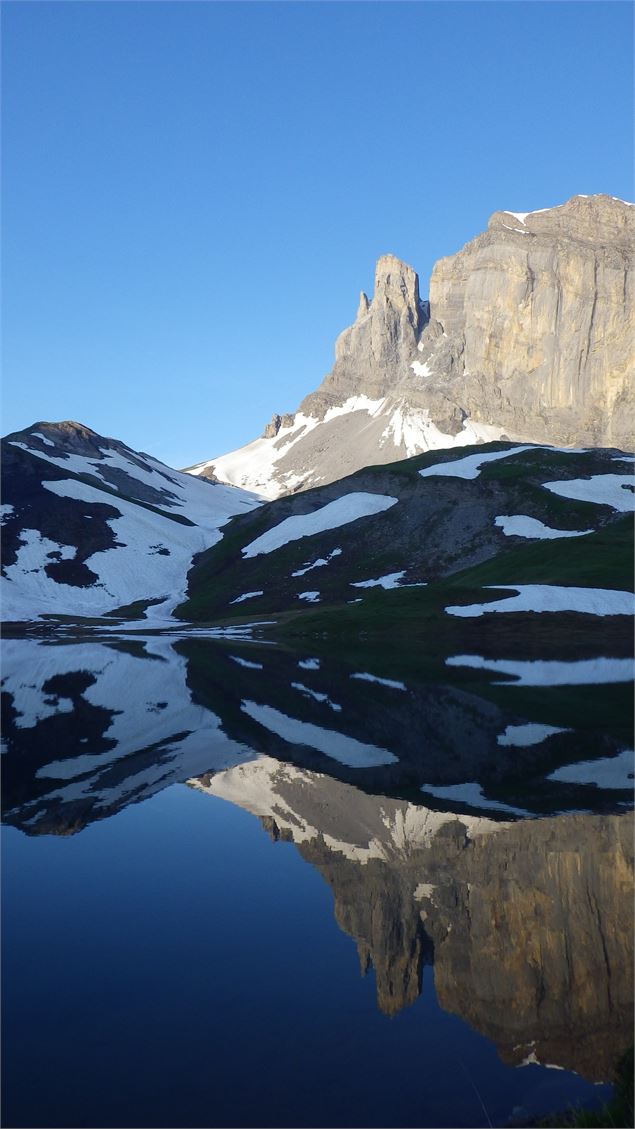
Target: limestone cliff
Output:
{"points": [[528, 334], [538, 320]]}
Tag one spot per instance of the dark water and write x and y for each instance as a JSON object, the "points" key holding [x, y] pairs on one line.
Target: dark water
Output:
{"points": [[244, 887]]}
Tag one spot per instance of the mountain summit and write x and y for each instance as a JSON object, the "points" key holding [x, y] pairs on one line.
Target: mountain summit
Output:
{"points": [[527, 335]]}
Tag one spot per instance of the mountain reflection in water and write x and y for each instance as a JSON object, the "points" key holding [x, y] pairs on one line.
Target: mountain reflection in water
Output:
{"points": [[527, 922]]}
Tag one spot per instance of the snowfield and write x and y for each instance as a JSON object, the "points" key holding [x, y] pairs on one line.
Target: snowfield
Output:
{"points": [[519, 525], [342, 511], [152, 553], [319, 563], [413, 429], [470, 466], [615, 490], [552, 598]]}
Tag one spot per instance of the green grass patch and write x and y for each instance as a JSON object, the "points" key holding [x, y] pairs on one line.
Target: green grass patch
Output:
{"points": [[603, 559]]}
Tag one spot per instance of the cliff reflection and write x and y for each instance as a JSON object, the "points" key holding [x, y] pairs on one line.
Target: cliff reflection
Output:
{"points": [[529, 925]]}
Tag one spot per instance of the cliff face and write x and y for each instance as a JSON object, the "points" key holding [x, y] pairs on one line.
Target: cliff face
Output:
{"points": [[528, 334], [539, 323], [373, 355]]}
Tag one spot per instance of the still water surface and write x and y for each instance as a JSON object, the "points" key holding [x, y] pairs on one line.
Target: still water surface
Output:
{"points": [[247, 887]]}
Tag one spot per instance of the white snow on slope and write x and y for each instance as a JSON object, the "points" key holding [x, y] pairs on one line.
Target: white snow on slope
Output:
{"points": [[338, 746], [138, 571], [607, 772], [343, 510], [310, 597], [5, 512], [519, 525], [247, 596], [412, 429], [309, 664], [615, 490], [538, 672], [253, 467], [135, 570], [195, 500], [522, 736], [470, 466], [471, 794], [360, 403], [319, 563], [38, 435], [391, 580], [552, 598], [392, 685]]}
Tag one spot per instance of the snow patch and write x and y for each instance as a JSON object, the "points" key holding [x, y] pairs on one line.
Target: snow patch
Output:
{"points": [[247, 596], [552, 598], [391, 580], [356, 404], [319, 563], [309, 664], [253, 467], [310, 597], [519, 525], [413, 430], [615, 490], [347, 508], [470, 466]]}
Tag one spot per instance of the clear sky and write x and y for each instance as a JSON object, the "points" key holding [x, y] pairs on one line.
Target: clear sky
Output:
{"points": [[195, 193]]}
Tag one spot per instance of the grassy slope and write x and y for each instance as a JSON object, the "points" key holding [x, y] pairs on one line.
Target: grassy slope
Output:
{"points": [[600, 559]]}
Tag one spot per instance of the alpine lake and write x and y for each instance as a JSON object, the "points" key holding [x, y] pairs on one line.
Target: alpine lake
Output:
{"points": [[274, 882]]}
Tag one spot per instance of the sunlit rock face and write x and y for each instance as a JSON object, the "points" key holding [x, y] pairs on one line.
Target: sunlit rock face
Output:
{"points": [[539, 317], [528, 334]]}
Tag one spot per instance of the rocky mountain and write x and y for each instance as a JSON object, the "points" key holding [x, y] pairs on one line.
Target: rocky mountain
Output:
{"points": [[527, 334], [445, 527], [90, 526], [528, 925]]}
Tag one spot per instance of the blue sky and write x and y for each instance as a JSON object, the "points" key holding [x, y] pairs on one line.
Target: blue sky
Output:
{"points": [[195, 193]]}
